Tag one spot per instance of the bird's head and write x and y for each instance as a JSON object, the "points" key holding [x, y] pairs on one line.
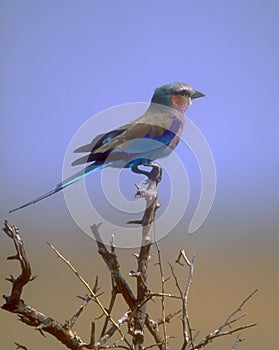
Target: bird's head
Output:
{"points": [[177, 95]]}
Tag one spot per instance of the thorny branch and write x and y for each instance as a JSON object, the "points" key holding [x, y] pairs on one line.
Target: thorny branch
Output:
{"points": [[163, 293], [137, 304], [237, 341], [27, 314], [187, 331], [91, 291], [136, 317], [18, 283], [218, 332], [19, 346], [150, 195]]}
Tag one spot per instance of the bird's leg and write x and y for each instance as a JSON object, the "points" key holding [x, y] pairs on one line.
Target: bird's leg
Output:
{"points": [[153, 178], [154, 175], [137, 170]]}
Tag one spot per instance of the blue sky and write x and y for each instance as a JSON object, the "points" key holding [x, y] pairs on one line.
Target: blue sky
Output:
{"points": [[65, 61]]}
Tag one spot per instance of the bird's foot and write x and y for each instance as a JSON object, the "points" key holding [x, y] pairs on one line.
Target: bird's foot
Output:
{"points": [[150, 193], [155, 175], [153, 178]]}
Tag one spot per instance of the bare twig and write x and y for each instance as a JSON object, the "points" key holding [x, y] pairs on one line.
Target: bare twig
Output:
{"points": [[91, 291], [227, 323], [210, 337], [163, 292], [92, 343], [109, 333], [237, 341], [85, 300], [154, 330], [187, 331], [183, 255], [76, 315], [19, 346], [112, 263], [229, 319], [18, 283], [165, 295], [188, 338], [112, 301], [152, 346], [169, 317], [27, 314]]}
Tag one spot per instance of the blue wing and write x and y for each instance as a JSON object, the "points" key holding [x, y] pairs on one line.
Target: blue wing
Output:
{"points": [[143, 140]]}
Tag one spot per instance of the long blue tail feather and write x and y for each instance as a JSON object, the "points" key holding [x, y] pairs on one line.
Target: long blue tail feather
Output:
{"points": [[65, 183]]}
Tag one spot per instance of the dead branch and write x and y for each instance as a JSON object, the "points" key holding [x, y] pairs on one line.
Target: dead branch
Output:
{"points": [[112, 263], [92, 293], [218, 332], [187, 331], [162, 292], [137, 304], [18, 283], [230, 319], [27, 314], [111, 305], [237, 341], [19, 346], [76, 315], [85, 300], [136, 317], [150, 195], [169, 317], [94, 296], [109, 333]]}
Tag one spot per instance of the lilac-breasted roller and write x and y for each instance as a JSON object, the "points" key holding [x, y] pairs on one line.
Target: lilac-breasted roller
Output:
{"points": [[153, 135]]}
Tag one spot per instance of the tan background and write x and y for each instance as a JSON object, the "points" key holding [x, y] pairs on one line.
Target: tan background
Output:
{"points": [[233, 257]]}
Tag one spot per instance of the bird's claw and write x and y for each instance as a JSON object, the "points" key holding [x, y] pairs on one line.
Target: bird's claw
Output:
{"points": [[155, 175]]}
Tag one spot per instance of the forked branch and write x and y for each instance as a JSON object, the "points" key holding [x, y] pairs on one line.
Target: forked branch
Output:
{"points": [[27, 314], [136, 317], [138, 304], [13, 301]]}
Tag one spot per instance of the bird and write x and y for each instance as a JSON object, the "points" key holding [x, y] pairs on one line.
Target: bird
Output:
{"points": [[152, 136]]}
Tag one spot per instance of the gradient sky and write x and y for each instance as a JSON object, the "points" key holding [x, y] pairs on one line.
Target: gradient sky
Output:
{"points": [[65, 61]]}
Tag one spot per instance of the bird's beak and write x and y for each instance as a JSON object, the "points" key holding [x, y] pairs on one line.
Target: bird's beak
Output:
{"points": [[196, 94]]}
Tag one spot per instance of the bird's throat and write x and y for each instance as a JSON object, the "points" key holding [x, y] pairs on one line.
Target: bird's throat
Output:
{"points": [[180, 103]]}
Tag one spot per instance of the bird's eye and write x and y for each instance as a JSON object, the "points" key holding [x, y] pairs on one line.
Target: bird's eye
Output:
{"points": [[183, 93]]}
